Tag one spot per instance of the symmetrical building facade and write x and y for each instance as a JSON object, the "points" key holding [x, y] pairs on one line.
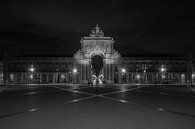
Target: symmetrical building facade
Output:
{"points": [[97, 60]]}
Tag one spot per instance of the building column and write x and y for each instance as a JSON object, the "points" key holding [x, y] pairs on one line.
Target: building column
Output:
{"points": [[146, 78], [81, 72], [22, 78], [53, 78], [40, 78], [88, 71], [104, 70], [119, 75], [112, 73], [85, 73], [127, 78], [47, 78], [108, 71]]}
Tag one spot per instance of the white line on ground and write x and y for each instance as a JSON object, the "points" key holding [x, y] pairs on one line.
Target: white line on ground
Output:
{"points": [[192, 89], [101, 95], [80, 99], [36, 109], [122, 91], [149, 106]]}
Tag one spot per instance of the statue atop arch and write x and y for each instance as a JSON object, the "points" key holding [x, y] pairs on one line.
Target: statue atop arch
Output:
{"points": [[97, 32]]}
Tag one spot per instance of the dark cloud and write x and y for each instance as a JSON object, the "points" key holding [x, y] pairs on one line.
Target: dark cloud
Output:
{"points": [[56, 26]]}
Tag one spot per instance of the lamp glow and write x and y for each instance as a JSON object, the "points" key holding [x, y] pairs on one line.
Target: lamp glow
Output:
{"points": [[32, 69], [123, 70], [163, 69], [74, 70], [138, 76]]}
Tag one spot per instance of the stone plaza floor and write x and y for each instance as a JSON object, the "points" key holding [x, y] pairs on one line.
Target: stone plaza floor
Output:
{"points": [[105, 107]]}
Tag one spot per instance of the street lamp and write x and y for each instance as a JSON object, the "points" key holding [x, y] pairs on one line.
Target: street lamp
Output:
{"points": [[145, 74], [193, 76], [123, 71], [74, 71], [138, 77], [58, 79], [31, 71], [163, 71]]}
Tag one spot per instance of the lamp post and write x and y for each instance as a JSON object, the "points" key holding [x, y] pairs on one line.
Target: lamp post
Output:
{"points": [[57, 75], [138, 77], [123, 71], [144, 67], [193, 76], [31, 71], [163, 72], [74, 71]]}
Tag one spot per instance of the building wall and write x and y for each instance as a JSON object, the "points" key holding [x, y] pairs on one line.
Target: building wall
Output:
{"points": [[60, 70], [148, 70], [46, 70]]}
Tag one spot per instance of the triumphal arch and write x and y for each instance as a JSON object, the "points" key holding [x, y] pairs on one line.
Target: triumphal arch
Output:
{"points": [[97, 58]]}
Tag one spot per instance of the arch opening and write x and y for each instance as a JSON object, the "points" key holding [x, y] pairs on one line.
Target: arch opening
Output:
{"points": [[97, 64]]}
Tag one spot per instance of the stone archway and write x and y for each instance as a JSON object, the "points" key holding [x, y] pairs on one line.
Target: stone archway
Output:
{"points": [[94, 47]]}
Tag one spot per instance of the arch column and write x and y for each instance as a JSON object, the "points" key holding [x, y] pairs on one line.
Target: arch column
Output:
{"points": [[112, 73], [109, 73], [84, 73], [47, 78], [105, 70], [81, 73]]}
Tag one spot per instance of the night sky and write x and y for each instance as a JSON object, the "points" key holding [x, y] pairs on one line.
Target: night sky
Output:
{"points": [[55, 27]]}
